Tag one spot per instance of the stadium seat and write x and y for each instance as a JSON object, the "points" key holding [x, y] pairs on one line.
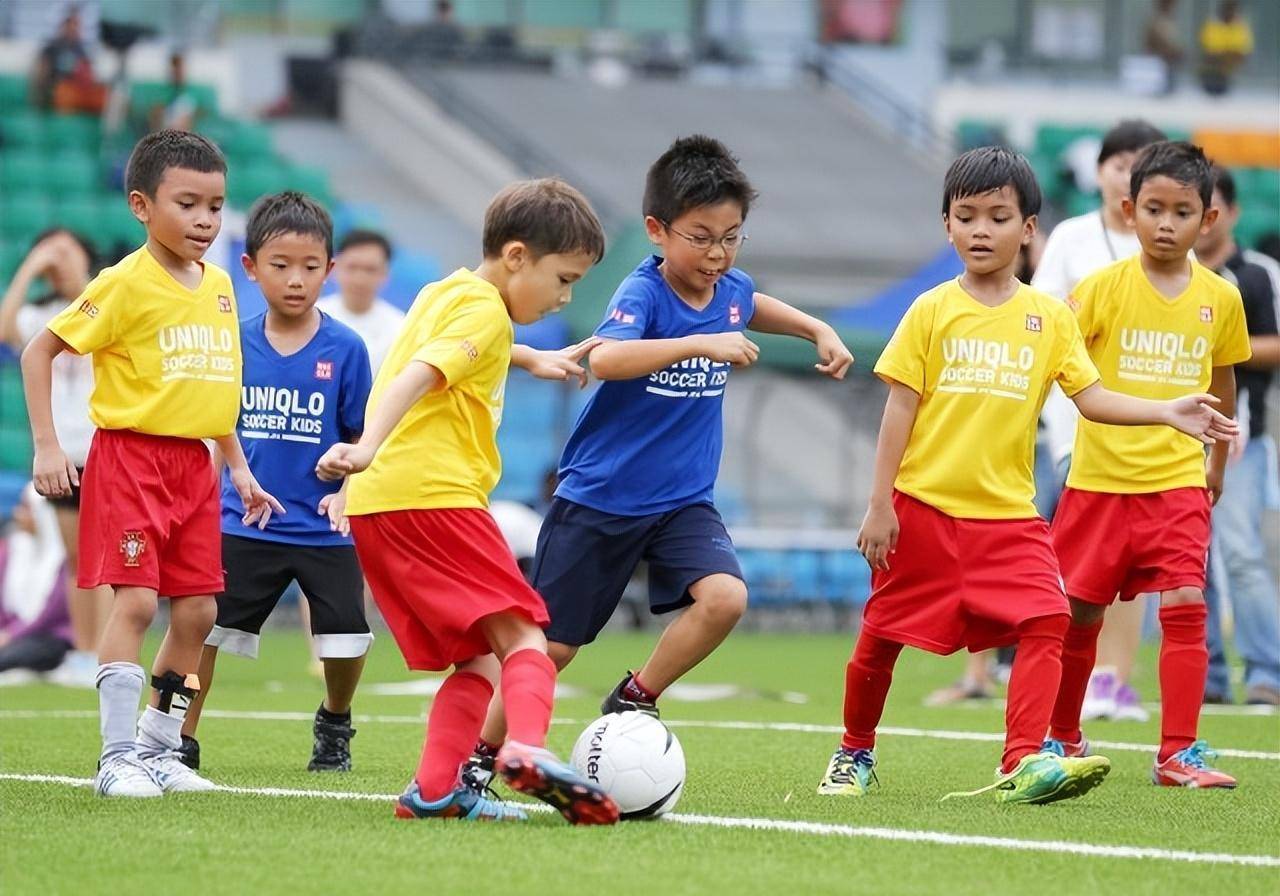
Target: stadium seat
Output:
{"points": [[14, 93], [11, 254], [22, 170], [246, 184], [72, 133], [1052, 139], [23, 216], [72, 174], [972, 133], [21, 129], [1080, 203], [249, 142], [85, 215], [310, 180]]}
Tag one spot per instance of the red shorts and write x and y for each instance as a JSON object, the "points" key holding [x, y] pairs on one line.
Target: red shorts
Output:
{"points": [[1128, 545], [149, 515], [955, 582], [435, 574]]}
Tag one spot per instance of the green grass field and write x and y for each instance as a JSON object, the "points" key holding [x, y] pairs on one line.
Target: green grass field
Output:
{"points": [[749, 820]]}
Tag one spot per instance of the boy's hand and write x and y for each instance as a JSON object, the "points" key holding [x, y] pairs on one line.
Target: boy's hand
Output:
{"points": [[53, 474], [1194, 415], [342, 460], [878, 537], [834, 358], [565, 363], [335, 507], [258, 504], [730, 348], [1213, 475]]}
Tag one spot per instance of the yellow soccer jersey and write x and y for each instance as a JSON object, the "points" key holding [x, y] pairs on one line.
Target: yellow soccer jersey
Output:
{"points": [[166, 359], [444, 451], [982, 374], [1153, 347]]}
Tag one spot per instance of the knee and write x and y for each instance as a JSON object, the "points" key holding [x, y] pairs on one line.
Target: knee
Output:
{"points": [[1181, 597], [1085, 614], [722, 598], [561, 654], [193, 617], [134, 607]]}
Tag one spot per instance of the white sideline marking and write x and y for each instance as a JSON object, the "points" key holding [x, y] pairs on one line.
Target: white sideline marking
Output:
{"points": [[800, 727], [799, 827]]}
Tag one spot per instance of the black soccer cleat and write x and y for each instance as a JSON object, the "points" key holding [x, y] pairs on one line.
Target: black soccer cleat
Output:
{"points": [[617, 702], [189, 753], [332, 749]]}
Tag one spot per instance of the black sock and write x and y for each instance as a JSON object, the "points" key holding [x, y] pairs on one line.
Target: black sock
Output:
{"points": [[333, 718]]}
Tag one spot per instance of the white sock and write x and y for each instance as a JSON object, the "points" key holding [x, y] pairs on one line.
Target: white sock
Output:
{"points": [[158, 732], [119, 690]]}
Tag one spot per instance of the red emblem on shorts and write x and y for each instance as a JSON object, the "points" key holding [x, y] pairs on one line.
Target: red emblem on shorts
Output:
{"points": [[132, 545], [324, 370], [1034, 323], [224, 304], [735, 316], [1206, 314]]}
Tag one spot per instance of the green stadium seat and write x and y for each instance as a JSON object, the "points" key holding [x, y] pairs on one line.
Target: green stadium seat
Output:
{"points": [[72, 174], [1081, 203], [1260, 186], [219, 130], [120, 229], [972, 133], [76, 133], [14, 93], [1048, 171], [11, 255], [1052, 139], [310, 180], [86, 216], [1254, 222], [22, 129], [22, 170], [22, 217], [249, 142], [245, 183]]}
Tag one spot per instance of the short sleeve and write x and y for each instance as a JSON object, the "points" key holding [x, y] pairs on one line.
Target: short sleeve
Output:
{"points": [[1073, 369], [353, 394], [91, 322], [463, 335], [629, 311], [1232, 343], [1083, 302], [904, 358]]}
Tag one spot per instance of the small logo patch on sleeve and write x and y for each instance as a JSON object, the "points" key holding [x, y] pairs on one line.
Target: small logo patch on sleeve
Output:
{"points": [[88, 309], [224, 304], [471, 351], [1206, 314], [1034, 324]]}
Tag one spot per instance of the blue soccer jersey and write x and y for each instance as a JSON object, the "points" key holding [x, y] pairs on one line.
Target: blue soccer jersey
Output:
{"points": [[652, 444], [292, 408]]}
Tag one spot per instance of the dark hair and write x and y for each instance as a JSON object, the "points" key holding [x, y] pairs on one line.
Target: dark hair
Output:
{"points": [[1180, 161], [694, 172], [287, 212], [157, 152], [547, 215], [359, 237], [987, 169], [1224, 183], [83, 243], [1130, 135]]}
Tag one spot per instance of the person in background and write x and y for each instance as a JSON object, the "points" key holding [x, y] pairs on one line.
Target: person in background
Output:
{"points": [[63, 260], [1226, 41], [1238, 560], [362, 266], [63, 79], [180, 109], [35, 631], [1162, 40]]}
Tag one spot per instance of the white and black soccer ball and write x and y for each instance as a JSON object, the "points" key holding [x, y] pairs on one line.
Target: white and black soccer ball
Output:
{"points": [[636, 759]]}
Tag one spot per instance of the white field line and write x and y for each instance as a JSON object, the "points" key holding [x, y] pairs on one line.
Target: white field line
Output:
{"points": [[938, 838], [799, 727]]}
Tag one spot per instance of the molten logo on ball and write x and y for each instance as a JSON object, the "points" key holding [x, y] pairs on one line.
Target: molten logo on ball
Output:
{"points": [[637, 761]]}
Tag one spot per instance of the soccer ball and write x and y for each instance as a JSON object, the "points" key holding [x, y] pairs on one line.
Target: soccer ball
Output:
{"points": [[637, 761]]}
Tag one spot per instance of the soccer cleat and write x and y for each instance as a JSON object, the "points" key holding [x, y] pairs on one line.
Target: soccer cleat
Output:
{"points": [[850, 773], [462, 803], [1190, 768], [331, 751], [1100, 695], [616, 702], [541, 775], [1128, 706], [189, 753], [1042, 778], [477, 773], [173, 776], [1065, 748], [125, 776]]}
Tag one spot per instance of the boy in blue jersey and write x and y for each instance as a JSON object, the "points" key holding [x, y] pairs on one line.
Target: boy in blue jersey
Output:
{"points": [[639, 469], [306, 383]]}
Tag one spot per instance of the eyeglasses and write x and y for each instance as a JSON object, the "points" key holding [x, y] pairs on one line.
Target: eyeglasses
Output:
{"points": [[702, 243]]}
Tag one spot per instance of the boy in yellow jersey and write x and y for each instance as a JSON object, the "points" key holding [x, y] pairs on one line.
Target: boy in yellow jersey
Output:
{"points": [[440, 571], [959, 557], [1134, 517], [161, 327]]}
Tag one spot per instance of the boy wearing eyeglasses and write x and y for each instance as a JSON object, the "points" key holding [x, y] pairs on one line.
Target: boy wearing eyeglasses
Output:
{"points": [[637, 474]]}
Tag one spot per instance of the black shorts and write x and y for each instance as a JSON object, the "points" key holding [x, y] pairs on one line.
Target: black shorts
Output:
{"points": [[586, 558], [258, 572]]}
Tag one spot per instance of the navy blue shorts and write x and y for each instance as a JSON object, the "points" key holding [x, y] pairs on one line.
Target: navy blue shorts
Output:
{"points": [[586, 558]]}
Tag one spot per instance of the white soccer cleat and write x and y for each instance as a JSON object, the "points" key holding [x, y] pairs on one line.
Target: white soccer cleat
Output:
{"points": [[125, 776], [174, 777]]}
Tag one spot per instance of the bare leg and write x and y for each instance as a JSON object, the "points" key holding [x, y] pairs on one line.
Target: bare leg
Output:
{"points": [[131, 614], [1121, 636], [340, 679], [208, 657], [190, 621], [718, 603]]}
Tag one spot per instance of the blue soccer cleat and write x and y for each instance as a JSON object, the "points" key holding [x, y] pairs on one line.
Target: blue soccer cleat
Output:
{"points": [[462, 803]]}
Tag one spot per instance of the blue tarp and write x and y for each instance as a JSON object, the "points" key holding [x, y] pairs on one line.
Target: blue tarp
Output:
{"points": [[883, 312]]}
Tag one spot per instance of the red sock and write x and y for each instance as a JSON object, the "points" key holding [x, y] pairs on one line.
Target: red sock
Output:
{"points": [[528, 691], [457, 714], [866, 685], [1079, 653], [634, 689], [1037, 670], [1184, 665]]}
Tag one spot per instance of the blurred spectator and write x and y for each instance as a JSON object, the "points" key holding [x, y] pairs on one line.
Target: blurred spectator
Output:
{"points": [[363, 265], [63, 78], [1238, 568], [443, 36], [35, 631], [1226, 41], [1163, 42], [63, 260], [179, 110]]}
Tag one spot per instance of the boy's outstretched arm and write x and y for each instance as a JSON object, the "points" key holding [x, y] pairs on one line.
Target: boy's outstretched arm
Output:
{"points": [[878, 535], [776, 316], [555, 365], [1192, 414], [416, 380], [627, 359], [258, 503], [53, 473]]}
